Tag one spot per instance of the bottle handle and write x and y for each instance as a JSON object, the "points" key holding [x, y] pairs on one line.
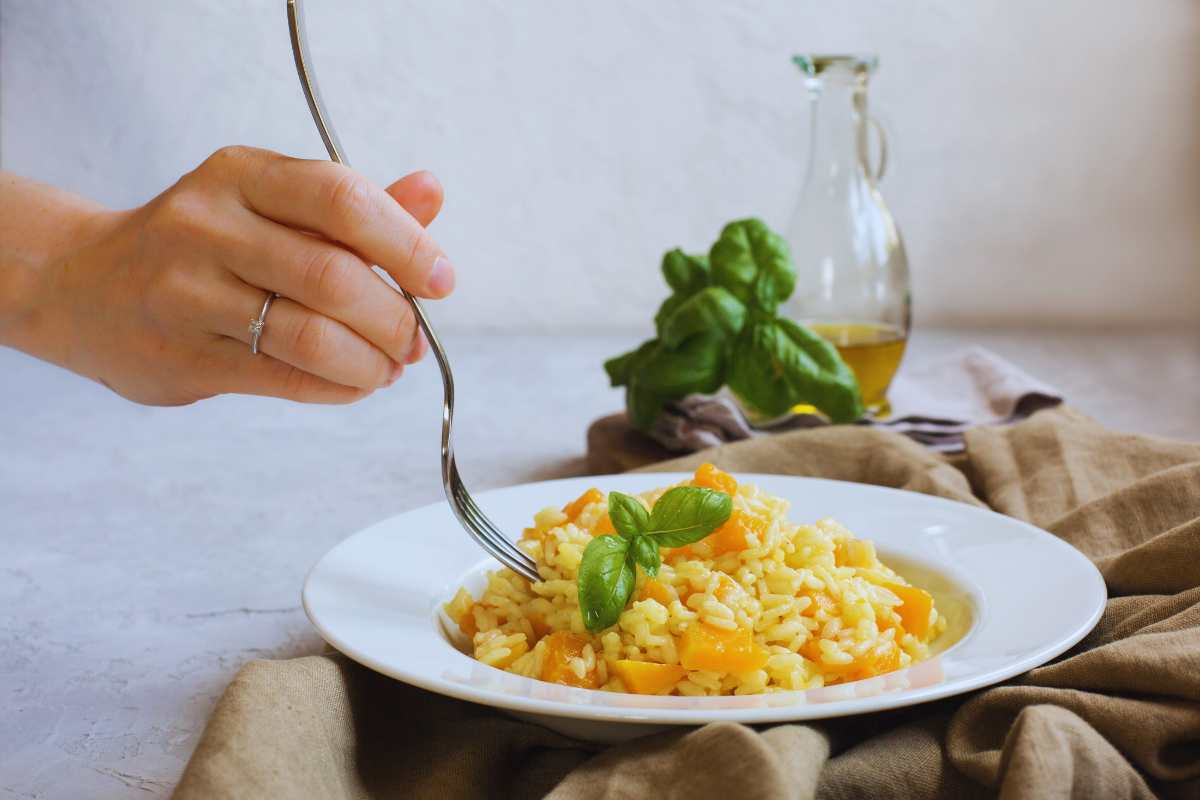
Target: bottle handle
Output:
{"points": [[877, 173]]}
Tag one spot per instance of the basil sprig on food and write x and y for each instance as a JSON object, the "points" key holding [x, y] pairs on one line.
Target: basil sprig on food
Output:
{"points": [[683, 515], [720, 326]]}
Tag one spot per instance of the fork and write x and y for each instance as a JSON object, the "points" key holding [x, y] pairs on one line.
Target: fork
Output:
{"points": [[485, 532]]}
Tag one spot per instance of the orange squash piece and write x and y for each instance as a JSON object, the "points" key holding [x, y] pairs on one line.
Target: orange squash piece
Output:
{"points": [[643, 677], [561, 647], [811, 650], [914, 608], [538, 623], [820, 602], [675, 553], [466, 623], [728, 589], [604, 527], [731, 536], [887, 661], [709, 477], [574, 508], [655, 589], [718, 650], [885, 658]]}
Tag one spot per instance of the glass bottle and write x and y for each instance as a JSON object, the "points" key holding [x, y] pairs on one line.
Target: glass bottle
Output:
{"points": [[852, 283]]}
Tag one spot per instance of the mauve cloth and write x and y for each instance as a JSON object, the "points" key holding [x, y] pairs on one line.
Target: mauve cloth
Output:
{"points": [[1116, 716], [934, 404]]}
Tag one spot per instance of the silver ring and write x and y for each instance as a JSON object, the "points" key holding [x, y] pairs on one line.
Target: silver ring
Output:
{"points": [[257, 325]]}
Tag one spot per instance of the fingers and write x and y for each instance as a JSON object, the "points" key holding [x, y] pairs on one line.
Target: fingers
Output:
{"points": [[421, 195], [420, 348], [244, 373], [344, 206], [312, 342], [326, 278]]}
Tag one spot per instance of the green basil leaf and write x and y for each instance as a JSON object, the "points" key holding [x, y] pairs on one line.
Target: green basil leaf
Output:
{"points": [[666, 310], [685, 274], [606, 578], [621, 367], [754, 264], [687, 514], [645, 552], [618, 368], [709, 310], [778, 363], [628, 515], [697, 365], [642, 406], [664, 374]]}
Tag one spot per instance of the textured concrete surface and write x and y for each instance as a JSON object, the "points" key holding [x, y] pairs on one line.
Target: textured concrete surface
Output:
{"points": [[1044, 162], [147, 553]]}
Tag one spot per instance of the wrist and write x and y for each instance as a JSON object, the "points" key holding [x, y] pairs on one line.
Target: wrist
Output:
{"points": [[32, 262]]}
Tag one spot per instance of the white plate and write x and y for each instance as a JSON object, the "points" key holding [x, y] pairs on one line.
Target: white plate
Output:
{"points": [[1015, 597]]}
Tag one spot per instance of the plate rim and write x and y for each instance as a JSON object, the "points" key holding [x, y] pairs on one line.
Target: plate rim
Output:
{"points": [[784, 712]]}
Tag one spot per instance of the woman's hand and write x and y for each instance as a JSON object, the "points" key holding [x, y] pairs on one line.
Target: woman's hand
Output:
{"points": [[156, 302]]}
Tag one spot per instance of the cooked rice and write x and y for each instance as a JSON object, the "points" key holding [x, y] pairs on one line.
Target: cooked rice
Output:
{"points": [[812, 604]]}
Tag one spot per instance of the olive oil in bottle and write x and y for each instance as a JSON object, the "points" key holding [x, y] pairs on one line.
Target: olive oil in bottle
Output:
{"points": [[852, 284], [873, 351]]}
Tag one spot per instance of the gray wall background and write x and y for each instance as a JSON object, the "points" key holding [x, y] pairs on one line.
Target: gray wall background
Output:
{"points": [[1045, 156]]}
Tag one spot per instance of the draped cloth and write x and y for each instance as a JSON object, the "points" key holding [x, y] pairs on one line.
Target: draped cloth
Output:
{"points": [[1116, 716]]}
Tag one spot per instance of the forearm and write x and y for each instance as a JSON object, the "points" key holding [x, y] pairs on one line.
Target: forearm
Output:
{"points": [[39, 226]]}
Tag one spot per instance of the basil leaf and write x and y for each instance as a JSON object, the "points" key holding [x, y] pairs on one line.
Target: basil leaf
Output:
{"points": [[663, 374], [621, 367], [778, 363], [709, 310], [642, 406], [628, 515], [606, 577], [645, 552], [697, 365], [754, 264], [687, 514], [666, 310], [618, 368], [685, 274]]}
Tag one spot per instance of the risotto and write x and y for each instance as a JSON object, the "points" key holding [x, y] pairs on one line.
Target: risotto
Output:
{"points": [[759, 605]]}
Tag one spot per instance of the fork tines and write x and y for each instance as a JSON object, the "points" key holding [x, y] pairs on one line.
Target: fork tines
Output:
{"points": [[481, 529], [486, 533]]}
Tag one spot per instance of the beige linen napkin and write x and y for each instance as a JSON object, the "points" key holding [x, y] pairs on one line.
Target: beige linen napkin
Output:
{"points": [[1117, 716]]}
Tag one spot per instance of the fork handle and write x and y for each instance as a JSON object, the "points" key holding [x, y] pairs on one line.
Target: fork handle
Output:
{"points": [[308, 82]]}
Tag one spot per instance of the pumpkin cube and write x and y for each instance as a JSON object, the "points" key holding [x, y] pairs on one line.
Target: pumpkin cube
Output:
{"points": [[705, 647], [644, 677]]}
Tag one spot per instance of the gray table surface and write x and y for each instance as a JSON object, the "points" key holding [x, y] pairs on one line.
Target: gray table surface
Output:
{"points": [[148, 553]]}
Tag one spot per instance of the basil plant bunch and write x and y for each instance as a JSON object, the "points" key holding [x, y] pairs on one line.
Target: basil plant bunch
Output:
{"points": [[720, 326]]}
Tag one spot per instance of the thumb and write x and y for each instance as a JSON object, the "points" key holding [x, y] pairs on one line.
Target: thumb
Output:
{"points": [[420, 194]]}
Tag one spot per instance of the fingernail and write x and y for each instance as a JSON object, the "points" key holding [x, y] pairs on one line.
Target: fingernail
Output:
{"points": [[397, 371], [418, 348], [441, 280]]}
